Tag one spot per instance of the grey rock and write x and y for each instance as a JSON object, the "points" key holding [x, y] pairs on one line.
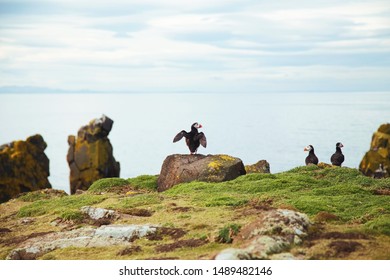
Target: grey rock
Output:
{"points": [[273, 233], [233, 254], [98, 213], [83, 237]]}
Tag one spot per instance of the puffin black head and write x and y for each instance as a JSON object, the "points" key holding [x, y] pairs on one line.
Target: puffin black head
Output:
{"points": [[339, 145], [196, 125], [308, 148]]}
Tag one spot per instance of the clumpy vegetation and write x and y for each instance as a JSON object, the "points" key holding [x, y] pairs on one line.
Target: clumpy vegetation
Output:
{"points": [[227, 233], [350, 214], [143, 182]]}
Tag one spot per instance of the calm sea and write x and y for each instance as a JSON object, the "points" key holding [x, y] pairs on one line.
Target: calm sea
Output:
{"points": [[275, 127]]}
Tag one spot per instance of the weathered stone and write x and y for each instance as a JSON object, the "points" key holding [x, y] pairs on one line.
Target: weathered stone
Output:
{"points": [[82, 237], [261, 166], [24, 167], [378, 157], [178, 169], [274, 232], [125, 233], [98, 213], [281, 222], [90, 156], [232, 254], [260, 248], [283, 256]]}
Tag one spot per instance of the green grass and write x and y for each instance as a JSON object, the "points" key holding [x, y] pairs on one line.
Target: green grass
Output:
{"points": [[343, 192], [106, 183], [40, 194], [59, 205], [143, 182], [136, 201], [216, 211]]}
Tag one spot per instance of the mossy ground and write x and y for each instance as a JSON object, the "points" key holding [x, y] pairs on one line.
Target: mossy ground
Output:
{"points": [[351, 220]]}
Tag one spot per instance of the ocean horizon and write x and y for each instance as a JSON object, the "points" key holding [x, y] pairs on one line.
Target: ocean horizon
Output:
{"points": [[271, 126]]}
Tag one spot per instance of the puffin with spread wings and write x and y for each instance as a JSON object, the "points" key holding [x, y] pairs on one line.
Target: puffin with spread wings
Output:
{"points": [[194, 138]]}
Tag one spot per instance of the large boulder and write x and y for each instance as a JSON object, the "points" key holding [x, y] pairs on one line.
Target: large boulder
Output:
{"points": [[90, 155], [178, 169], [377, 159], [24, 167]]}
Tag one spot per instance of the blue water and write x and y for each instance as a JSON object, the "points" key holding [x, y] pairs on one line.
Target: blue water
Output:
{"points": [[275, 127]]}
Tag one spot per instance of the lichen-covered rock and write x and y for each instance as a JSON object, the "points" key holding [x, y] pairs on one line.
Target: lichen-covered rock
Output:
{"points": [[82, 237], [377, 159], [98, 213], [24, 167], [262, 166], [232, 254], [178, 169], [90, 155], [281, 222], [274, 232]]}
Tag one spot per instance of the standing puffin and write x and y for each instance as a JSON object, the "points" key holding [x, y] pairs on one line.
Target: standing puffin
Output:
{"points": [[311, 158], [337, 158], [193, 138]]}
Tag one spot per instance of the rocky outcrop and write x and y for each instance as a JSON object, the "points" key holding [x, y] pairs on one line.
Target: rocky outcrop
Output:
{"points": [[178, 169], [24, 167], [107, 235], [262, 166], [90, 155], [376, 162], [273, 233]]}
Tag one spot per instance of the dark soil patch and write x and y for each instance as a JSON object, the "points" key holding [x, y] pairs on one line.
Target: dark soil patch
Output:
{"points": [[139, 212], [174, 233], [254, 207], [325, 217], [182, 209], [343, 248], [337, 235], [129, 251], [263, 205], [20, 239], [382, 192], [99, 222], [180, 244], [4, 230]]}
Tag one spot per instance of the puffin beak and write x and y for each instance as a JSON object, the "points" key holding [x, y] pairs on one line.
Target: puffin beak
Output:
{"points": [[200, 126], [305, 149]]}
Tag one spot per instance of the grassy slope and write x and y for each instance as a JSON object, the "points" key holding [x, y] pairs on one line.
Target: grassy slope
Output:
{"points": [[337, 199]]}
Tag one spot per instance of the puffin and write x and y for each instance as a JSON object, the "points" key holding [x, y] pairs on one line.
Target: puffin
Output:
{"points": [[311, 158], [337, 158], [193, 138]]}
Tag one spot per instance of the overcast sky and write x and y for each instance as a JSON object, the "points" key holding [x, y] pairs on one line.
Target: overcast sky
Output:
{"points": [[196, 45]]}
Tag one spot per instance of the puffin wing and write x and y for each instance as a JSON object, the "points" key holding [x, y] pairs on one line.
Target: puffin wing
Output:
{"points": [[202, 139], [180, 135]]}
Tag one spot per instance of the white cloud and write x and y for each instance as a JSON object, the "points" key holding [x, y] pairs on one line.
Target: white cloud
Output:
{"points": [[181, 45]]}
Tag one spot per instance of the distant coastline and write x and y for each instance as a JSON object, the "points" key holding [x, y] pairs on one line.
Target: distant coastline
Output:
{"points": [[48, 90]]}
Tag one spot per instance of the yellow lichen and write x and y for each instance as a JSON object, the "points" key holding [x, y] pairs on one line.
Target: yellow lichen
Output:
{"points": [[215, 165], [226, 157]]}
